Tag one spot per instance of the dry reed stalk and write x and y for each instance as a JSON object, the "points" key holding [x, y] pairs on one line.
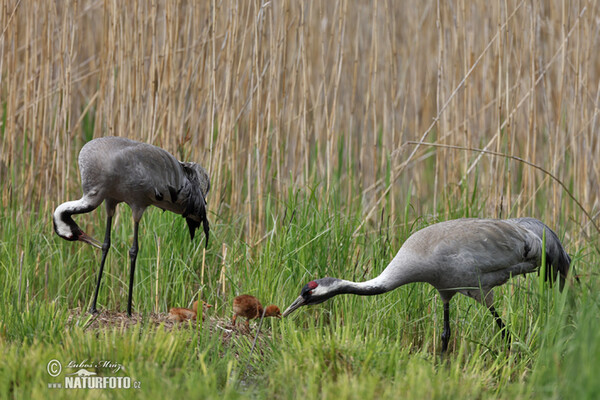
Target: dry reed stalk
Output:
{"points": [[157, 274], [497, 138], [202, 274], [222, 275], [439, 96]]}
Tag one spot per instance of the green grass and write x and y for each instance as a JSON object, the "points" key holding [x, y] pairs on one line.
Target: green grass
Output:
{"points": [[349, 347]]}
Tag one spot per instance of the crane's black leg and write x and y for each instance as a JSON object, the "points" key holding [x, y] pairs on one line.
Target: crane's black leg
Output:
{"points": [[446, 331], [132, 256], [105, 248], [500, 323]]}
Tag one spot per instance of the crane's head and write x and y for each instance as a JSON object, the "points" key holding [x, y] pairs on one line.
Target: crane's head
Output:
{"points": [[66, 228], [315, 292], [196, 191]]}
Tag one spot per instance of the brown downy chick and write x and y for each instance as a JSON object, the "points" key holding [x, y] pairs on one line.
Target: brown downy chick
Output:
{"points": [[250, 308], [183, 314]]}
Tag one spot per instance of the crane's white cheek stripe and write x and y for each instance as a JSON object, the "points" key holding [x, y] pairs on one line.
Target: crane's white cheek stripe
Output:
{"points": [[62, 228], [321, 290]]}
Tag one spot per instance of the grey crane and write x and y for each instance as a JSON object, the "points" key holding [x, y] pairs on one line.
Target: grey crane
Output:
{"points": [[468, 256], [115, 170]]}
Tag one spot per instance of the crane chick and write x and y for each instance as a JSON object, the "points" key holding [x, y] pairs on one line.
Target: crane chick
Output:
{"points": [[250, 308], [467, 256], [183, 314], [115, 170]]}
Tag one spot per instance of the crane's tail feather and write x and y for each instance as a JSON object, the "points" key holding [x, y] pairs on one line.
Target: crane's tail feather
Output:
{"points": [[556, 255], [206, 230], [193, 224], [195, 193], [560, 263]]}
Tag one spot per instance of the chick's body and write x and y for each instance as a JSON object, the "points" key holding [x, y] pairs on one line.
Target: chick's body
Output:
{"points": [[250, 308], [183, 314]]}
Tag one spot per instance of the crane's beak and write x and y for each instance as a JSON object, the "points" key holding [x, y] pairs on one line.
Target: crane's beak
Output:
{"points": [[89, 240], [297, 303]]}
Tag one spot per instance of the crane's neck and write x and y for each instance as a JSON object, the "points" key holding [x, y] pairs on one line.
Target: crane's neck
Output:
{"points": [[368, 288], [64, 225], [400, 271]]}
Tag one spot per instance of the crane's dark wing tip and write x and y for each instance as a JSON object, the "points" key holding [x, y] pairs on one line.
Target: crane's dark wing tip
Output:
{"points": [[192, 226], [206, 227], [558, 265]]}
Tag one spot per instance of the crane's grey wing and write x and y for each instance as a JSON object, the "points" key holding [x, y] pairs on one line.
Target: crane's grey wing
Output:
{"points": [[169, 184], [472, 253], [150, 174], [186, 184], [492, 244], [556, 255], [125, 170], [142, 175]]}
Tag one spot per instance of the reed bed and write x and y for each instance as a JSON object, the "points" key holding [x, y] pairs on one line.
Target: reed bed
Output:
{"points": [[273, 96]]}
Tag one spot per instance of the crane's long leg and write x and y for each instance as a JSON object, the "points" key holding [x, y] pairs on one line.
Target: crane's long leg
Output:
{"points": [[500, 323], [132, 256], [488, 300], [446, 331], [105, 248]]}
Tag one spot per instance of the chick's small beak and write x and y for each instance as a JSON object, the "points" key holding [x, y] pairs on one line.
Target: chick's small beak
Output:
{"points": [[297, 303], [89, 240]]}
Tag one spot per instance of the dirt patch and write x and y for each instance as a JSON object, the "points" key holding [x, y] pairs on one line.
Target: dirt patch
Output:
{"points": [[108, 319]]}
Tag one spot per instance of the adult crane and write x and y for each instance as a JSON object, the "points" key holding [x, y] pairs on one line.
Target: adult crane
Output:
{"points": [[468, 256], [115, 170]]}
